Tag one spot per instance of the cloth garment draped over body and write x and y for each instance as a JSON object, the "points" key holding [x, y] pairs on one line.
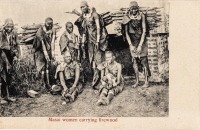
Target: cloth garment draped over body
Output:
{"points": [[109, 78], [71, 42], [8, 50], [69, 76], [134, 28], [46, 36], [87, 25]]}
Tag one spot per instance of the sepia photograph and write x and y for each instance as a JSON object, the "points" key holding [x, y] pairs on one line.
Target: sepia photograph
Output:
{"points": [[100, 64], [86, 59]]}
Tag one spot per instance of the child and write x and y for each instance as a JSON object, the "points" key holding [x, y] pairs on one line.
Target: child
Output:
{"points": [[69, 42], [68, 72], [111, 79]]}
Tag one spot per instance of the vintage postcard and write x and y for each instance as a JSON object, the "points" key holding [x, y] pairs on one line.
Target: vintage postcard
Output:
{"points": [[90, 64]]}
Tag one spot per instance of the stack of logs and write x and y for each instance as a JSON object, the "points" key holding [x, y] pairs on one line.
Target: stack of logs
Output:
{"points": [[153, 16], [29, 32]]}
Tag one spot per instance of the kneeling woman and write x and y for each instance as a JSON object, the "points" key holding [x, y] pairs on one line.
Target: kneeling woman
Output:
{"points": [[68, 72], [111, 79]]}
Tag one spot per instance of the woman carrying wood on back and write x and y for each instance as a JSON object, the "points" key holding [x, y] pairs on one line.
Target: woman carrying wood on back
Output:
{"points": [[95, 36], [44, 45], [8, 53], [135, 31]]}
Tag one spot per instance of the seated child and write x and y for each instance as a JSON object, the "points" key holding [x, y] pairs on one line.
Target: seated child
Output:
{"points": [[68, 72], [111, 79]]}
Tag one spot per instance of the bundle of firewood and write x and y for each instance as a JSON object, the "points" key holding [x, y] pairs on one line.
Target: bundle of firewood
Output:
{"points": [[29, 32], [107, 18], [153, 16]]}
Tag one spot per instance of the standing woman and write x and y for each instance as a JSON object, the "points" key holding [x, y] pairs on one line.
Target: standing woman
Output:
{"points": [[135, 31], [8, 53], [44, 45], [95, 35]]}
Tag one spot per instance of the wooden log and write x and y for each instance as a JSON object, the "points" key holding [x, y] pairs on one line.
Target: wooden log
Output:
{"points": [[108, 23], [140, 8], [29, 31], [154, 8], [103, 14], [108, 17], [150, 19], [115, 18], [107, 20], [117, 12], [159, 19], [27, 36], [151, 15], [35, 26], [29, 39], [31, 27], [151, 12]]}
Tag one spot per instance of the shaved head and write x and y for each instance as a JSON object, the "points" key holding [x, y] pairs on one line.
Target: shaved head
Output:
{"points": [[48, 20], [49, 23]]}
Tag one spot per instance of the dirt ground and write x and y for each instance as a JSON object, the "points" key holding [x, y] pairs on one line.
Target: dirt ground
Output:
{"points": [[132, 102]]}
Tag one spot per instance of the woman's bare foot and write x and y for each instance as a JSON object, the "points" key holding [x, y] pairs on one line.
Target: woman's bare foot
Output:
{"points": [[135, 85], [146, 85]]}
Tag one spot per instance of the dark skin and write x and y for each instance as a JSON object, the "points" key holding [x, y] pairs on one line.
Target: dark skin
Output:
{"points": [[110, 58], [8, 30], [134, 11], [70, 89], [48, 26], [85, 10], [70, 28]]}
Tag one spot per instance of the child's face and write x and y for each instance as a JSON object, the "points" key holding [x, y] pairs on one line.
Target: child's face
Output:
{"points": [[109, 57], [67, 57], [69, 28]]}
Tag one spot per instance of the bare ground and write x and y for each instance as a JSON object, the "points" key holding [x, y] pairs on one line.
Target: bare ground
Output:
{"points": [[132, 102]]}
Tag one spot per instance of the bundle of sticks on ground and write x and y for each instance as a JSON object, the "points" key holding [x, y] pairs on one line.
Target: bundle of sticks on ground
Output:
{"points": [[29, 32]]}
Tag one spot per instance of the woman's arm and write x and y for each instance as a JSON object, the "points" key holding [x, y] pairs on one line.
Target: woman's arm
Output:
{"points": [[132, 48], [143, 33], [119, 73], [127, 35], [77, 76], [62, 81], [53, 44], [98, 29], [45, 51]]}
